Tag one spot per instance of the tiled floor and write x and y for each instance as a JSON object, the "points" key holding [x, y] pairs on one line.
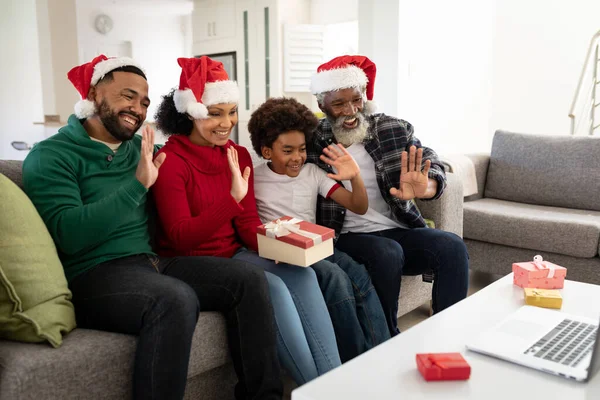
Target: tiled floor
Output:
{"points": [[477, 281]]}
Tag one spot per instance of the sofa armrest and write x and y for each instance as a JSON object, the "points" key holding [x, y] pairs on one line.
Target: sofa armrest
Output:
{"points": [[481, 161], [447, 211]]}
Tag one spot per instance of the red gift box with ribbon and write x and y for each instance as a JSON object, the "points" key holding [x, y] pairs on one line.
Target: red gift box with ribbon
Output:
{"points": [[294, 241], [539, 274], [443, 366]]}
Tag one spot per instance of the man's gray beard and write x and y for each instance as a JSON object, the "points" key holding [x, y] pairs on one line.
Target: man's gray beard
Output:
{"points": [[348, 137]]}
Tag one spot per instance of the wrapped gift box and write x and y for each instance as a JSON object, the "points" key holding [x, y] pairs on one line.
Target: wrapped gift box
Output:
{"points": [[547, 298], [539, 274], [294, 241], [443, 366]]}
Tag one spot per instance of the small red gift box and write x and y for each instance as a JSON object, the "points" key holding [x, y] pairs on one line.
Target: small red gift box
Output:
{"points": [[294, 241], [443, 366], [539, 274]]}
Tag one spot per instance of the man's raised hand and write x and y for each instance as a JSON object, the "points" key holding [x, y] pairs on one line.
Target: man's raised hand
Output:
{"points": [[413, 179]]}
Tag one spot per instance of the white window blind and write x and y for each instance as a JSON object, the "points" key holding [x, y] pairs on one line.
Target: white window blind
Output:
{"points": [[302, 53]]}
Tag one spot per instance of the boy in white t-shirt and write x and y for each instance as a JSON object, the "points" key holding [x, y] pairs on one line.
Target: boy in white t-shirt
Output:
{"points": [[285, 185]]}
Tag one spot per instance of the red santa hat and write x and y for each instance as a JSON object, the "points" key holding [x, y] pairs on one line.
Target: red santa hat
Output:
{"points": [[346, 72], [203, 83], [89, 74]]}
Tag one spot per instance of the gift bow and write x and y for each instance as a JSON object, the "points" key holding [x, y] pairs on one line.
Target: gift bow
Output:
{"points": [[538, 262], [541, 293], [280, 228], [442, 361]]}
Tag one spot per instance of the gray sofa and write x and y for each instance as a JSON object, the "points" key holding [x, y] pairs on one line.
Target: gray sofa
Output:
{"points": [[537, 194], [98, 365]]}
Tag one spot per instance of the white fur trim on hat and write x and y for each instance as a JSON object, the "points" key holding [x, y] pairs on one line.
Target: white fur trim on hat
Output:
{"points": [[185, 103], [104, 67], [220, 92], [370, 107], [338, 78], [85, 109]]}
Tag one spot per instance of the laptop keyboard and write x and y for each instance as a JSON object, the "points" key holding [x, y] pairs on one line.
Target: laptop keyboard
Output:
{"points": [[568, 343]]}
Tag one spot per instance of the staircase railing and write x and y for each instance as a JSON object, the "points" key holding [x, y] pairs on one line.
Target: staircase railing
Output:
{"points": [[583, 113]]}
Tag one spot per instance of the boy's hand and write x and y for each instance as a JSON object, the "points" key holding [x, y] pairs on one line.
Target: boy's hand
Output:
{"points": [[239, 182], [337, 156]]}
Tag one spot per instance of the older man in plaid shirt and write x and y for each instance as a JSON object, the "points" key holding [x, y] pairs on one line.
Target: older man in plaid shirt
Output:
{"points": [[391, 239]]}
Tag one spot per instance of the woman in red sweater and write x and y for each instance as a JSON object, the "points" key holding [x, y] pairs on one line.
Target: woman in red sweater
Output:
{"points": [[205, 200]]}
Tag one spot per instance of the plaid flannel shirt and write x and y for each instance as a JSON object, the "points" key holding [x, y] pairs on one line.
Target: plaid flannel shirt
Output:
{"points": [[386, 139]]}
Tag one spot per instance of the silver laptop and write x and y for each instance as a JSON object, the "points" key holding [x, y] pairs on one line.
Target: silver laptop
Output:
{"points": [[546, 340]]}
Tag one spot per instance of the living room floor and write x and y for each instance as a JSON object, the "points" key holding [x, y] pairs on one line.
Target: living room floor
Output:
{"points": [[477, 281]]}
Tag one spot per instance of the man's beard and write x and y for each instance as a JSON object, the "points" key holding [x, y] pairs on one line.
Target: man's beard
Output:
{"points": [[346, 136], [111, 122]]}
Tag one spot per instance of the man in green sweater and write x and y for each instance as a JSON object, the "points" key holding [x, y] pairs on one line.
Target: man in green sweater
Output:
{"points": [[90, 184]]}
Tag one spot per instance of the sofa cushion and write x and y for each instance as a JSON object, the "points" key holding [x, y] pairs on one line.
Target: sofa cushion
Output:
{"points": [[12, 170], [35, 301], [94, 364], [559, 171], [539, 228]]}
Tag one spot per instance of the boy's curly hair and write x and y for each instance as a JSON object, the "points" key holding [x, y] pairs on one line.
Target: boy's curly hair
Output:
{"points": [[279, 115]]}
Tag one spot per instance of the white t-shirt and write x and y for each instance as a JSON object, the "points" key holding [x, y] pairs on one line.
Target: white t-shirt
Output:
{"points": [[278, 195], [379, 215], [113, 146]]}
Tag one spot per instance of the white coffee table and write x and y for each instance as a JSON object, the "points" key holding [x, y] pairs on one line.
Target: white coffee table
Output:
{"points": [[389, 371]]}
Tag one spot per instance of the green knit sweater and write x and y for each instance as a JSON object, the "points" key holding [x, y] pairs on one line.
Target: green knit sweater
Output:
{"points": [[88, 196]]}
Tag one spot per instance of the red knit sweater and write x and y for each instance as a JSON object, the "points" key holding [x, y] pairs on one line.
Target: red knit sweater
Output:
{"points": [[198, 216]]}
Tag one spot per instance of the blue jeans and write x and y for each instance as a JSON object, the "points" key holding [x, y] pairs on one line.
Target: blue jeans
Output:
{"points": [[356, 312], [158, 299], [391, 253], [306, 340]]}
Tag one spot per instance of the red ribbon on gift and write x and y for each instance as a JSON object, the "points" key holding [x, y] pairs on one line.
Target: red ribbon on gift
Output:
{"points": [[443, 361], [443, 366]]}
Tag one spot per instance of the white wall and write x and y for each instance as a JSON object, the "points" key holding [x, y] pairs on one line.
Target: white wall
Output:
{"points": [[324, 12], [469, 67], [539, 50], [64, 41], [21, 94], [45, 46], [157, 36], [445, 72], [378, 39], [340, 39], [434, 65]]}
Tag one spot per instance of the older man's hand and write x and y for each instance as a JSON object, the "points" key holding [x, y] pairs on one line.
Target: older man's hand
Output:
{"points": [[414, 178]]}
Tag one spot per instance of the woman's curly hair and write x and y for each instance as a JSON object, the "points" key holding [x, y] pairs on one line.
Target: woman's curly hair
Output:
{"points": [[170, 121], [280, 115]]}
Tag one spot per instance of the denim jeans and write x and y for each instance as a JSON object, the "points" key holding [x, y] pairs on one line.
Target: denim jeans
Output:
{"points": [[356, 312], [307, 346], [391, 253], [159, 299]]}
